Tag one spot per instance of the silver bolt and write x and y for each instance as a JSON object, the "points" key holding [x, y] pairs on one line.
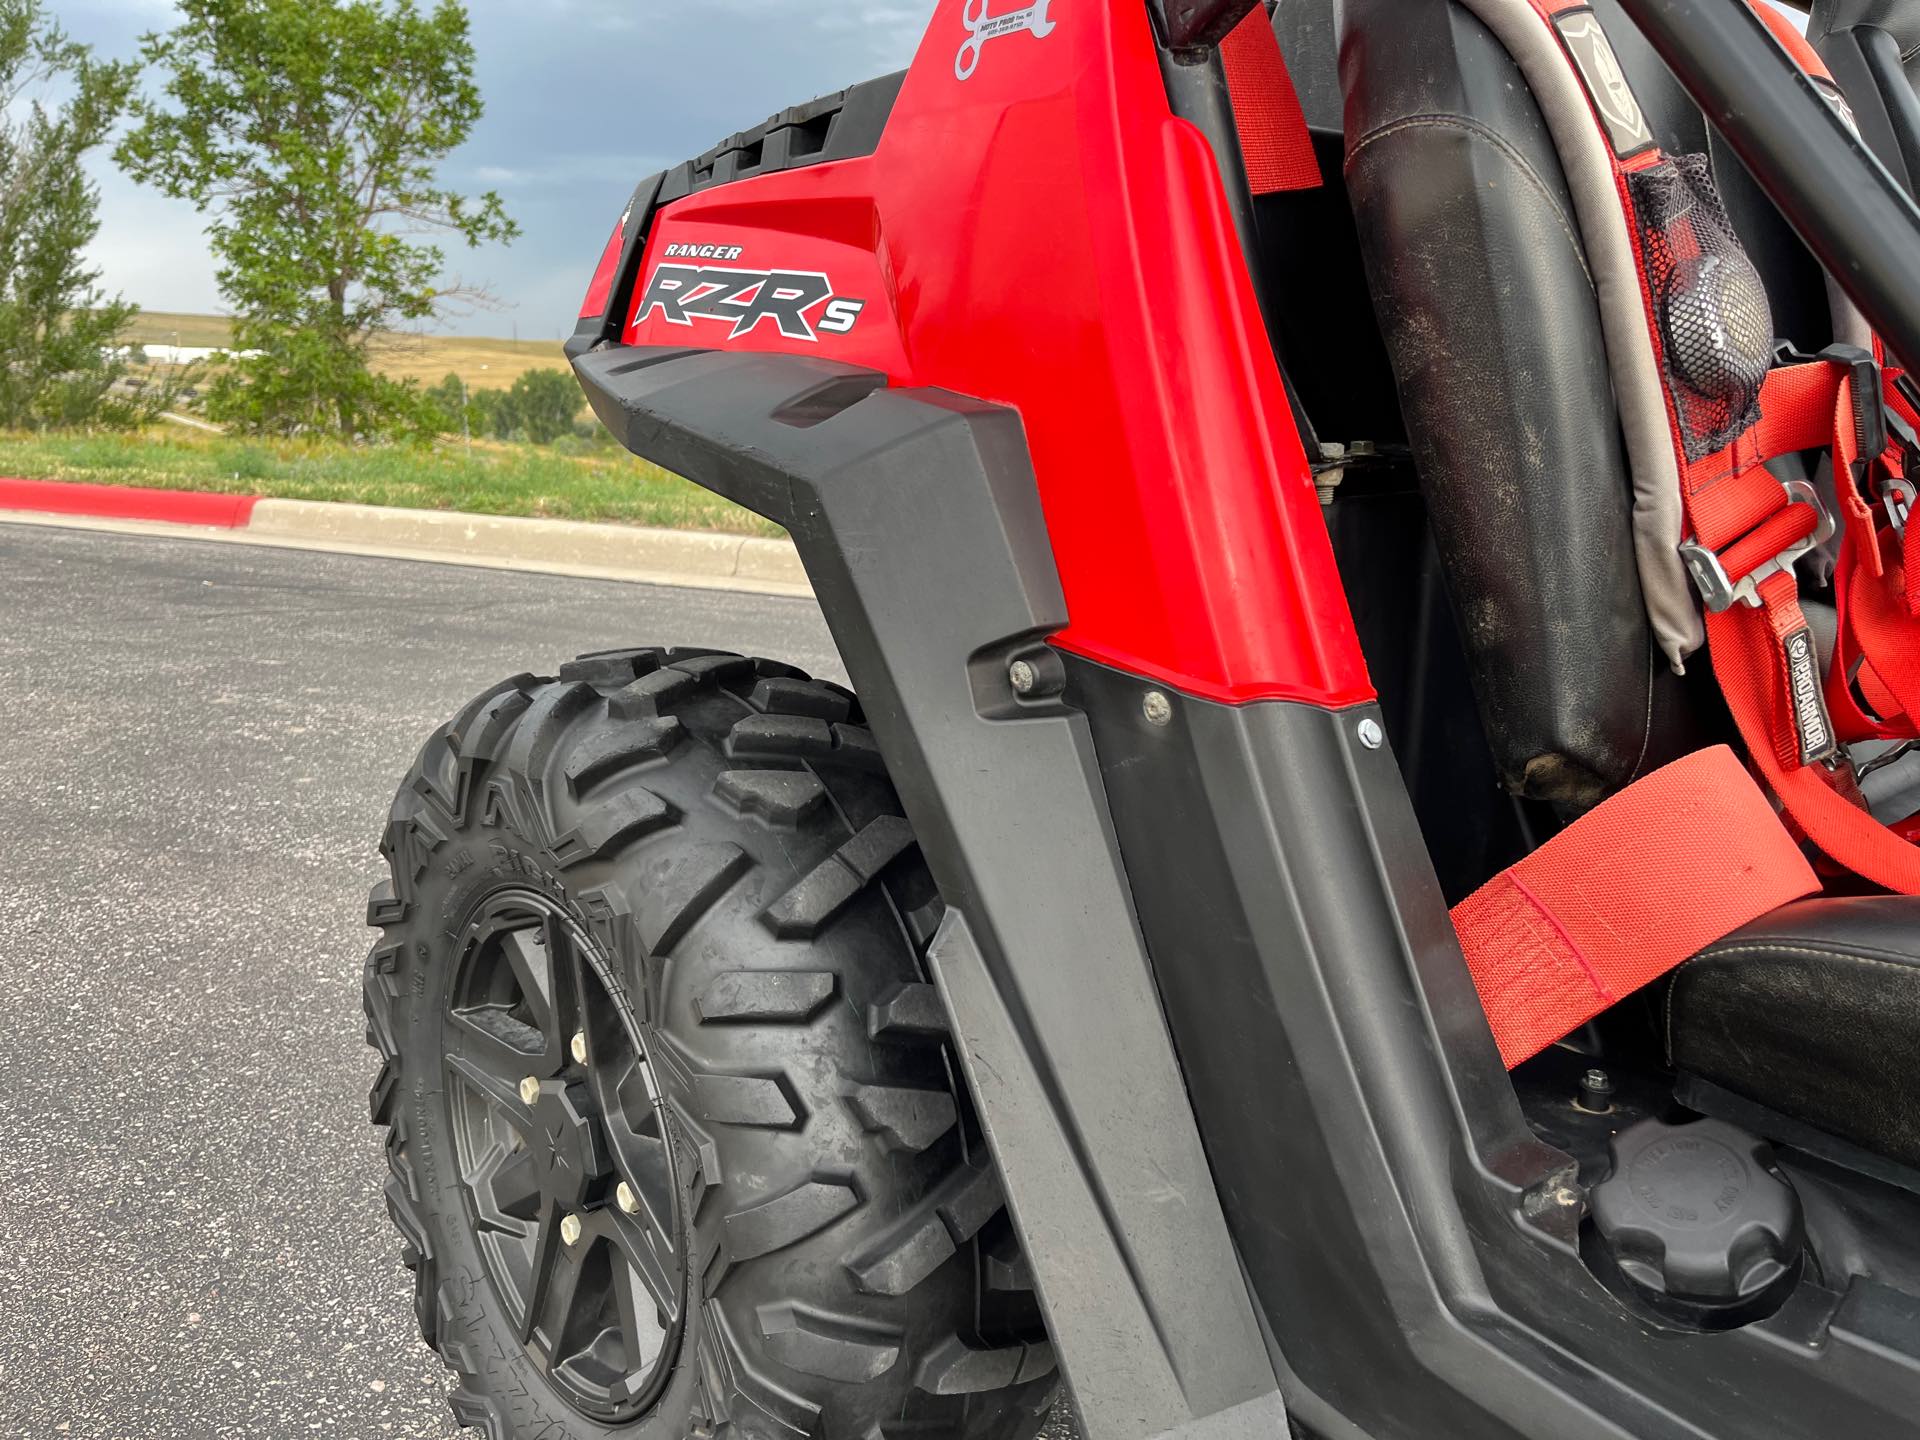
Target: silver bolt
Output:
{"points": [[1023, 677], [579, 1047], [1371, 735], [529, 1090], [1157, 708], [624, 1197], [570, 1229]]}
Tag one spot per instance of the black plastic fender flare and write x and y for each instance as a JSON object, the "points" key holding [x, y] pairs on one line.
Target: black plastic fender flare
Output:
{"points": [[916, 515]]}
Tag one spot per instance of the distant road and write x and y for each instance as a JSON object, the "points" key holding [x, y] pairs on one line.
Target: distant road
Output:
{"points": [[193, 424]]}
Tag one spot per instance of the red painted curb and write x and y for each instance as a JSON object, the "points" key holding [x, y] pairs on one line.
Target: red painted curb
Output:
{"points": [[126, 502]]}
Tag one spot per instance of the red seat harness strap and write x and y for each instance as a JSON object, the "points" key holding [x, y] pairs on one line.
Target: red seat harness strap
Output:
{"points": [[1593, 914], [1273, 129]]}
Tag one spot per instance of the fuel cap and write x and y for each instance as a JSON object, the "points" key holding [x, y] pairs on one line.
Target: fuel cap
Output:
{"points": [[1698, 1222]]}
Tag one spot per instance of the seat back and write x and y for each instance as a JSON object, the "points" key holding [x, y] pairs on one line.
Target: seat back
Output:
{"points": [[1490, 314]]}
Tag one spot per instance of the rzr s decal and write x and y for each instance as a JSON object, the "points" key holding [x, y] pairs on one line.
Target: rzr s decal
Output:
{"points": [[840, 316], [749, 298]]}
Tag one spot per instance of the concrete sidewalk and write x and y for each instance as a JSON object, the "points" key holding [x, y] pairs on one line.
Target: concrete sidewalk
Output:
{"points": [[699, 559]]}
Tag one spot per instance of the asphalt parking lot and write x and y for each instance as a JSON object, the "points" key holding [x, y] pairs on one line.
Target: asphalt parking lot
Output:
{"points": [[198, 744]]}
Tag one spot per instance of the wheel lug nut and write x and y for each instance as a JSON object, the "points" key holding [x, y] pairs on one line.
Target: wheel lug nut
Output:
{"points": [[624, 1197], [579, 1048], [570, 1229], [529, 1090]]}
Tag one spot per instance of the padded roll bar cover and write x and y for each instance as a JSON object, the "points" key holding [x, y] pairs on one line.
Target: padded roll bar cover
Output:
{"points": [[1198, 24], [1899, 18], [1483, 295], [1309, 41], [1873, 50]]}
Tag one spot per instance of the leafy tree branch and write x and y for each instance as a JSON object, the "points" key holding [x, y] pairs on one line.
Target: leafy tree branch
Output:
{"points": [[311, 132], [58, 103]]}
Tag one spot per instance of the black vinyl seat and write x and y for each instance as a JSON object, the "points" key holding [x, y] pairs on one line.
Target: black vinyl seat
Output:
{"points": [[1813, 1012], [1481, 287]]}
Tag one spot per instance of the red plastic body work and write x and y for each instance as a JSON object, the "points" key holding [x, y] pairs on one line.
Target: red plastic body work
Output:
{"points": [[1046, 235], [600, 288]]}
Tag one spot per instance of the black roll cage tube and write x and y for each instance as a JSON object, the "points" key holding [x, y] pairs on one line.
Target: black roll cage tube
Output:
{"points": [[1859, 222]]}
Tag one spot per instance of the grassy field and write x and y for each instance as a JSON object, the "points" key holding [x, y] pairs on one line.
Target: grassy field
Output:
{"points": [[159, 327], [491, 479], [485, 364]]}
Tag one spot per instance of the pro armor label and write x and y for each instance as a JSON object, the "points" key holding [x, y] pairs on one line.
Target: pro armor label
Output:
{"points": [[1810, 717]]}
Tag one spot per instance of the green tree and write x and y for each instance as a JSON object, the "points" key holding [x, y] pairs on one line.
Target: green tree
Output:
{"points": [[449, 399], [543, 404], [491, 414], [451, 396], [503, 414], [57, 328], [311, 132], [461, 409]]}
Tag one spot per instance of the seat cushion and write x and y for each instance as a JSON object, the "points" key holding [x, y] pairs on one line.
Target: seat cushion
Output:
{"points": [[1812, 1012]]}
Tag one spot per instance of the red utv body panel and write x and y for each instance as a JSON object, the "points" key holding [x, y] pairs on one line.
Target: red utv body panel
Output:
{"points": [[1196, 957], [1179, 502]]}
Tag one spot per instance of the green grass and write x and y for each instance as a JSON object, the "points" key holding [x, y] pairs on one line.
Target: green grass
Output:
{"points": [[601, 485]]}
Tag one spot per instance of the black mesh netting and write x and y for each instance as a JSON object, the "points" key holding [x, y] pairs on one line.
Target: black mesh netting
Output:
{"points": [[1716, 327]]}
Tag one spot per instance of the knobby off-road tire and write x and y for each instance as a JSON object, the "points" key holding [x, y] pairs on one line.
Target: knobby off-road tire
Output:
{"points": [[695, 863]]}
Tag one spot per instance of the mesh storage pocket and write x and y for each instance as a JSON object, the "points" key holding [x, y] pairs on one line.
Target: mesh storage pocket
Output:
{"points": [[1716, 327]]}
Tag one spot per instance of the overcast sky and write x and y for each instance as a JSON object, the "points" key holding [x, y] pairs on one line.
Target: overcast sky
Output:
{"points": [[584, 98]]}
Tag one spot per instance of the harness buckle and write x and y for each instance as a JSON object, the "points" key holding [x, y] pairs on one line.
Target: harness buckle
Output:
{"points": [[1870, 413], [1879, 428], [1719, 591], [1898, 492], [1899, 495]]}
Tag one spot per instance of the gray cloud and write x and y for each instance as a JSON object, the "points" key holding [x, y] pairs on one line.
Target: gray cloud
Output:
{"points": [[584, 97]]}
